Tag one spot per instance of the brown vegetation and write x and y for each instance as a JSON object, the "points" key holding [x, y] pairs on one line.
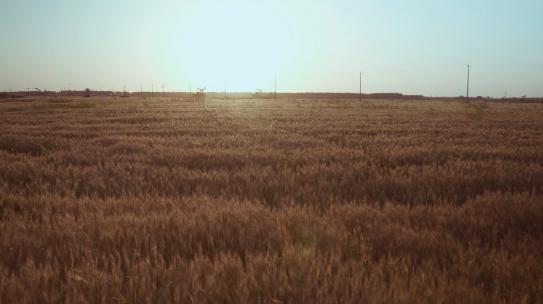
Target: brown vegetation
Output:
{"points": [[288, 201]]}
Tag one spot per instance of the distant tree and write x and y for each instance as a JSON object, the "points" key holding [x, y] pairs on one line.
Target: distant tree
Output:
{"points": [[200, 94]]}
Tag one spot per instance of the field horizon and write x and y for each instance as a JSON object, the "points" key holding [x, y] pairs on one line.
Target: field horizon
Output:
{"points": [[257, 94]]}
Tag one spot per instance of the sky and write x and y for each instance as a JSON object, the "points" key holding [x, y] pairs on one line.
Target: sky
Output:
{"points": [[411, 47]]}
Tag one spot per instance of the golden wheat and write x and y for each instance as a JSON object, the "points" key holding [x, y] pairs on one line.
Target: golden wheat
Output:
{"points": [[313, 201]]}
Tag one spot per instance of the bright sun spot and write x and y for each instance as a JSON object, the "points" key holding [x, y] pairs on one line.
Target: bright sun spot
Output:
{"points": [[237, 45]]}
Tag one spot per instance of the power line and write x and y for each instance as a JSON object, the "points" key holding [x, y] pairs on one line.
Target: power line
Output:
{"points": [[467, 85], [275, 88], [360, 87]]}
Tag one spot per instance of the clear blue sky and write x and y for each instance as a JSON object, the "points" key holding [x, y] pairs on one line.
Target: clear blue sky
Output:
{"points": [[416, 46]]}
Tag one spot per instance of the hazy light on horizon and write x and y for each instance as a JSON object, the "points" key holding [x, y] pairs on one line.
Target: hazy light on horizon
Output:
{"points": [[417, 47]]}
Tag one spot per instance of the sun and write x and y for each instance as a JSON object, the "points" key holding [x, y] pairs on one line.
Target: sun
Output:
{"points": [[237, 45]]}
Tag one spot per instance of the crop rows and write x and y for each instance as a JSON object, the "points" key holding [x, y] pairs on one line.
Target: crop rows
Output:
{"points": [[288, 201]]}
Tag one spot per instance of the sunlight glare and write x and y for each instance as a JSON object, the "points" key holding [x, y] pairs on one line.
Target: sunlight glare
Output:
{"points": [[221, 47]]}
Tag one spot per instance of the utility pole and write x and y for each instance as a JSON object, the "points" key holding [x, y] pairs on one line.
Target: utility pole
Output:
{"points": [[162, 90], [467, 86], [360, 92], [275, 88]]}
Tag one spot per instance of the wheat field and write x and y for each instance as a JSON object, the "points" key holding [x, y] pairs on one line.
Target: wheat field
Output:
{"points": [[170, 200]]}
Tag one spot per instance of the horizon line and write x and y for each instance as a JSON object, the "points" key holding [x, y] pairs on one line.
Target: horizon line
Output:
{"points": [[264, 94]]}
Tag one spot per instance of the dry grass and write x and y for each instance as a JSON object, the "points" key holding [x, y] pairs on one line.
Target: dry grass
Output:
{"points": [[315, 201]]}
